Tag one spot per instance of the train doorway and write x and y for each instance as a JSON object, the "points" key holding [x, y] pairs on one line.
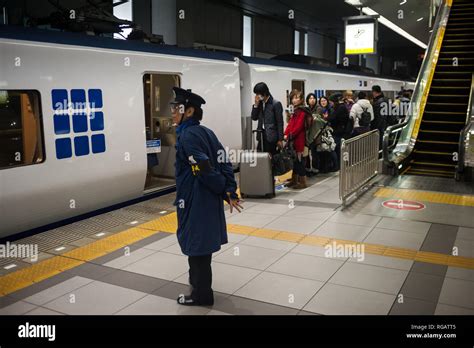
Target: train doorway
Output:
{"points": [[160, 132]]}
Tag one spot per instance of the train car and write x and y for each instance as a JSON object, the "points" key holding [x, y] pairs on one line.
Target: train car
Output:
{"points": [[85, 121]]}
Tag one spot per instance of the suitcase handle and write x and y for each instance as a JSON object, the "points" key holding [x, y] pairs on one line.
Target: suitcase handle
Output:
{"points": [[254, 147]]}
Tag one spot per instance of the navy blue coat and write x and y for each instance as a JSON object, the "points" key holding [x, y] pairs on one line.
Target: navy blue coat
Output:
{"points": [[200, 194]]}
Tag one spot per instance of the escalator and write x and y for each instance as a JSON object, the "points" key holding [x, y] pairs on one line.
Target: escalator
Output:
{"points": [[444, 116]]}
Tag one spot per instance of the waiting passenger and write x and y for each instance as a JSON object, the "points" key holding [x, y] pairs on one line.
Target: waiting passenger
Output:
{"points": [[269, 114], [203, 181], [348, 99], [380, 104], [314, 124], [362, 114], [324, 109], [295, 134], [340, 123]]}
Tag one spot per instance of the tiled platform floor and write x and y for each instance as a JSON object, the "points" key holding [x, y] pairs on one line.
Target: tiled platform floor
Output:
{"points": [[257, 275]]}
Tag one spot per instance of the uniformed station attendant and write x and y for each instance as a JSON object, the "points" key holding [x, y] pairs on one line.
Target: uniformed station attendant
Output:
{"points": [[202, 185]]}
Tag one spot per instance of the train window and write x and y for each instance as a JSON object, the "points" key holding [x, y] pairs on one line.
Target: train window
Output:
{"points": [[21, 133], [160, 132]]}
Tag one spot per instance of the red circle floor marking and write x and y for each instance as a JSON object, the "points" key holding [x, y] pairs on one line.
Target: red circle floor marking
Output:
{"points": [[401, 204]]}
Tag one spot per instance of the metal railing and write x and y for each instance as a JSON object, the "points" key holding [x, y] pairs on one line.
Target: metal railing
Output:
{"points": [[359, 163]]}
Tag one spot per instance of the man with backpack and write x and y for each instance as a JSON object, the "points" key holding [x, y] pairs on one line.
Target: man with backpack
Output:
{"points": [[362, 114]]}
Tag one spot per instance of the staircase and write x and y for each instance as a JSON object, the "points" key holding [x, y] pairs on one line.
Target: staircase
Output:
{"points": [[445, 112]]}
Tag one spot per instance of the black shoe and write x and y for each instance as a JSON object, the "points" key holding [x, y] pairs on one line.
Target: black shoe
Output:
{"points": [[189, 301]]}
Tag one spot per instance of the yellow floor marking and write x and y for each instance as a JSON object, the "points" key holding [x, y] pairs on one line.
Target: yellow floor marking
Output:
{"points": [[426, 196], [264, 233], [289, 237], [49, 267]]}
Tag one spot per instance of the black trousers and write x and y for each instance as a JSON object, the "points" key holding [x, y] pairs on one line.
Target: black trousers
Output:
{"points": [[264, 146], [200, 278]]}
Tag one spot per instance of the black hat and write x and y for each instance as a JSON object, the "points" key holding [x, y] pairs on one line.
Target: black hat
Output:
{"points": [[376, 88], [336, 97], [187, 98]]}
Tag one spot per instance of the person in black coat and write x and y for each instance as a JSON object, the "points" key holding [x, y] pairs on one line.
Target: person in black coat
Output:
{"points": [[380, 117], [340, 123], [269, 114]]}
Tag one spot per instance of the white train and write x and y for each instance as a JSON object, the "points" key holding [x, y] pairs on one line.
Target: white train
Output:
{"points": [[79, 114]]}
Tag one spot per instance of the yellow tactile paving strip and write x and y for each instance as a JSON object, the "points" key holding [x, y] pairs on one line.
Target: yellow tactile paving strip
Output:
{"points": [[47, 268], [426, 196]]}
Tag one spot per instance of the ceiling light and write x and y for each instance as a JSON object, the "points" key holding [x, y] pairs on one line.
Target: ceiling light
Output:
{"points": [[419, 19], [368, 11], [356, 3]]}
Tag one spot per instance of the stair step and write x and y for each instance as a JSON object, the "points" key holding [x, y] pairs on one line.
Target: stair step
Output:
{"points": [[451, 87], [455, 40], [436, 146], [460, 59], [434, 164], [447, 104], [422, 152], [470, 67], [449, 95], [451, 30], [420, 169], [445, 125], [456, 19], [453, 72], [458, 24], [437, 142], [422, 173], [456, 46], [454, 52], [461, 14], [442, 132], [443, 122], [445, 113]]}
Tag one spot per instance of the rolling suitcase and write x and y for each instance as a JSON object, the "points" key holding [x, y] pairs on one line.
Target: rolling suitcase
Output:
{"points": [[256, 178]]}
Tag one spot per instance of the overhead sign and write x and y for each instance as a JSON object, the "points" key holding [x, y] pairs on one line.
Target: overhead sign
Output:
{"points": [[360, 38], [361, 35], [400, 204]]}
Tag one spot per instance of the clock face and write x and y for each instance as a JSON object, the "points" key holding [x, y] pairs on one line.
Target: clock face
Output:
{"points": [[360, 38]]}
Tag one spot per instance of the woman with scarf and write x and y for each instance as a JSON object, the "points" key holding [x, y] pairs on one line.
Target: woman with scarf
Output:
{"points": [[314, 123]]}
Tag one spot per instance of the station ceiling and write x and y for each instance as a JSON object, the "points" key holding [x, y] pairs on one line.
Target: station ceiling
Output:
{"points": [[325, 16]]}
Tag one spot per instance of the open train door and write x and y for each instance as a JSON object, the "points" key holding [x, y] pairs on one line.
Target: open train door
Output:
{"points": [[160, 132]]}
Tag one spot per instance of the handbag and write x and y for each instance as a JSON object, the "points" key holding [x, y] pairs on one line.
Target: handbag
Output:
{"points": [[328, 144], [282, 162]]}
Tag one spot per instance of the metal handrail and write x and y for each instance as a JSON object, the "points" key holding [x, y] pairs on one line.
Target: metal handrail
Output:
{"points": [[420, 89], [463, 136], [386, 138]]}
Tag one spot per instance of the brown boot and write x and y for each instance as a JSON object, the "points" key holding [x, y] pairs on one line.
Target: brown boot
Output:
{"points": [[301, 183], [293, 181]]}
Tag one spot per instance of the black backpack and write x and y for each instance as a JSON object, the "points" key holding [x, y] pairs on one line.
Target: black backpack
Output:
{"points": [[365, 118]]}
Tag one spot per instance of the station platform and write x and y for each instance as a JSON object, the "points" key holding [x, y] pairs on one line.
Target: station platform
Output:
{"points": [[415, 243]]}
